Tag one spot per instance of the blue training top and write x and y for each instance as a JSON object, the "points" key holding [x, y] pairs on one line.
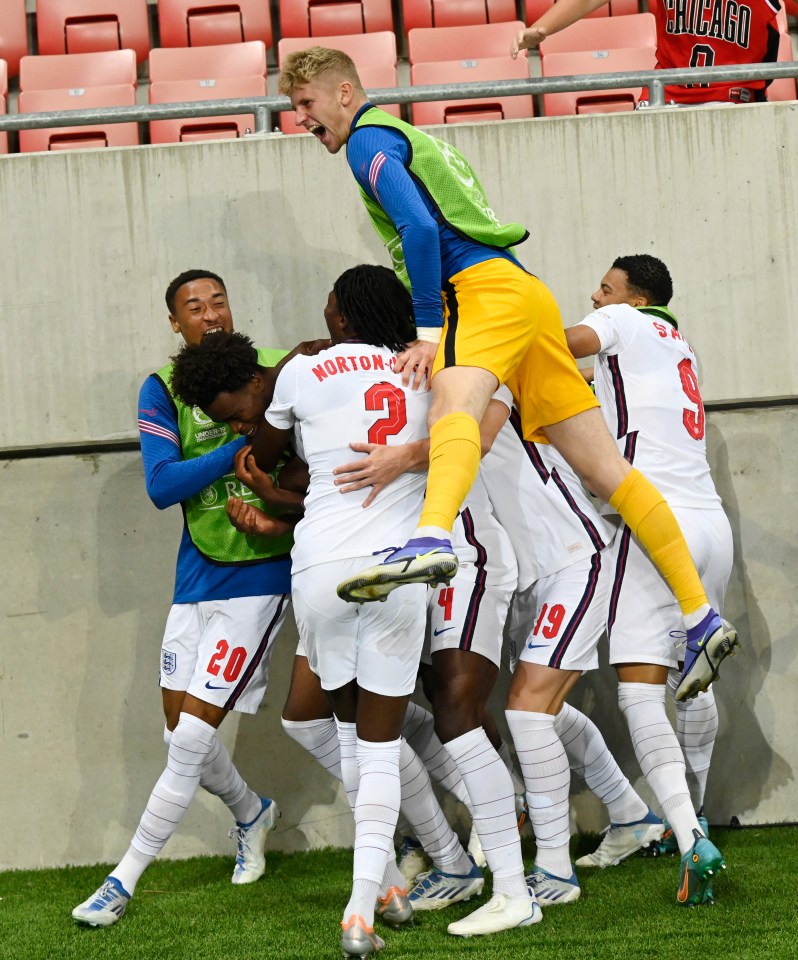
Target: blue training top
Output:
{"points": [[170, 479], [433, 252]]}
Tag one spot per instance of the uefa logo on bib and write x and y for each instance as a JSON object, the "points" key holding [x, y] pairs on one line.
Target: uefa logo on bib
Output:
{"points": [[209, 496], [200, 418]]}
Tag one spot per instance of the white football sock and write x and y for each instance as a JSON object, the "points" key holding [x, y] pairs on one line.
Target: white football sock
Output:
{"points": [[220, 777], [547, 777], [418, 729], [350, 775], [696, 730], [376, 810], [493, 797], [507, 759], [320, 739], [659, 754], [429, 825], [191, 742], [590, 759]]}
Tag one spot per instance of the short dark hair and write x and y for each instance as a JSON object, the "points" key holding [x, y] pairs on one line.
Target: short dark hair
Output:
{"points": [[186, 277], [647, 277], [377, 305], [221, 363]]}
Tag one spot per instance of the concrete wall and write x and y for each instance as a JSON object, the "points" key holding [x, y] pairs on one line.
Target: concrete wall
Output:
{"points": [[90, 242], [92, 239]]}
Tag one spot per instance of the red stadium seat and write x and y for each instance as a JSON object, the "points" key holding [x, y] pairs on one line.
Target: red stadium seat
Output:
{"points": [[196, 63], [77, 138], [202, 23], [63, 71], [189, 129], [615, 8], [437, 44], [374, 55], [455, 13], [83, 26], [594, 61], [469, 71], [333, 18], [615, 33], [783, 89], [13, 33]]}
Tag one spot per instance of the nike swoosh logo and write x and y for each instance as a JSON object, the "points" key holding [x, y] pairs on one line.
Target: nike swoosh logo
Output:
{"points": [[437, 633], [536, 646], [212, 686], [150, 413]]}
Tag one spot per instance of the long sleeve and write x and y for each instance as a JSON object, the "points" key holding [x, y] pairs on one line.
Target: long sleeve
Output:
{"points": [[169, 478]]}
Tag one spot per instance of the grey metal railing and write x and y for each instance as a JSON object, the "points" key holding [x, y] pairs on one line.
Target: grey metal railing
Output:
{"points": [[264, 108]]}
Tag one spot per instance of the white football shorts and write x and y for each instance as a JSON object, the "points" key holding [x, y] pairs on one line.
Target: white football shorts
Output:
{"points": [[219, 650], [377, 644], [469, 615], [645, 623], [558, 620]]}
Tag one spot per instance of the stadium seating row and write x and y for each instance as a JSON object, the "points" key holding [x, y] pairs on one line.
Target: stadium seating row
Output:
{"points": [[83, 26], [222, 71]]}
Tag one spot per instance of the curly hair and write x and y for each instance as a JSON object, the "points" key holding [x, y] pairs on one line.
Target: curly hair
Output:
{"points": [[377, 305], [220, 363], [647, 277], [187, 276], [304, 66]]}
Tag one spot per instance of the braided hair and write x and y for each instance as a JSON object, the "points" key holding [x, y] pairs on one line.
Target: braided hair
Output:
{"points": [[377, 305]]}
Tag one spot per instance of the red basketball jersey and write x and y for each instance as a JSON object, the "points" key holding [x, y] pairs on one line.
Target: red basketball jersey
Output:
{"points": [[705, 33]]}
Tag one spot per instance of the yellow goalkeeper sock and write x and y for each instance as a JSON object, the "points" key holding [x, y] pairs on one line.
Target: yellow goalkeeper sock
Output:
{"points": [[644, 510], [454, 456]]}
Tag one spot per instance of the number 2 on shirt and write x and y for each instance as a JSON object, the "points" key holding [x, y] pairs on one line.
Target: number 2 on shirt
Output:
{"points": [[389, 398]]}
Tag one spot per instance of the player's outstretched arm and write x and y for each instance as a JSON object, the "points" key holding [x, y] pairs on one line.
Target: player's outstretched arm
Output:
{"points": [[583, 341], [492, 421], [381, 465], [562, 14]]}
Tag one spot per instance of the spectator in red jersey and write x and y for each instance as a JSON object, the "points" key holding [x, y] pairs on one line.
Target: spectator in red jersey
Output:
{"points": [[690, 33]]}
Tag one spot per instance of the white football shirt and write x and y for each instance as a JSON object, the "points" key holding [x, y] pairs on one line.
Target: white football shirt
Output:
{"points": [[349, 393], [540, 502], [478, 538], [646, 380]]}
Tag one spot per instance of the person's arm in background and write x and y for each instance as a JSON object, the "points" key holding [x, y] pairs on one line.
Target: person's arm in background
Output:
{"points": [[383, 463], [561, 15], [169, 478]]}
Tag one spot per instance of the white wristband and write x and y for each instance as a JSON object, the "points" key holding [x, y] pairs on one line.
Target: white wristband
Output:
{"points": [[429, 334]]}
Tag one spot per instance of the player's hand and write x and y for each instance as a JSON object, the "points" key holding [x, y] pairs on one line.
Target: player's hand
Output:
{"points": [[248, 472], [382, 465], [527, 39], [251, 520], [309, 348], [415, 363]]}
